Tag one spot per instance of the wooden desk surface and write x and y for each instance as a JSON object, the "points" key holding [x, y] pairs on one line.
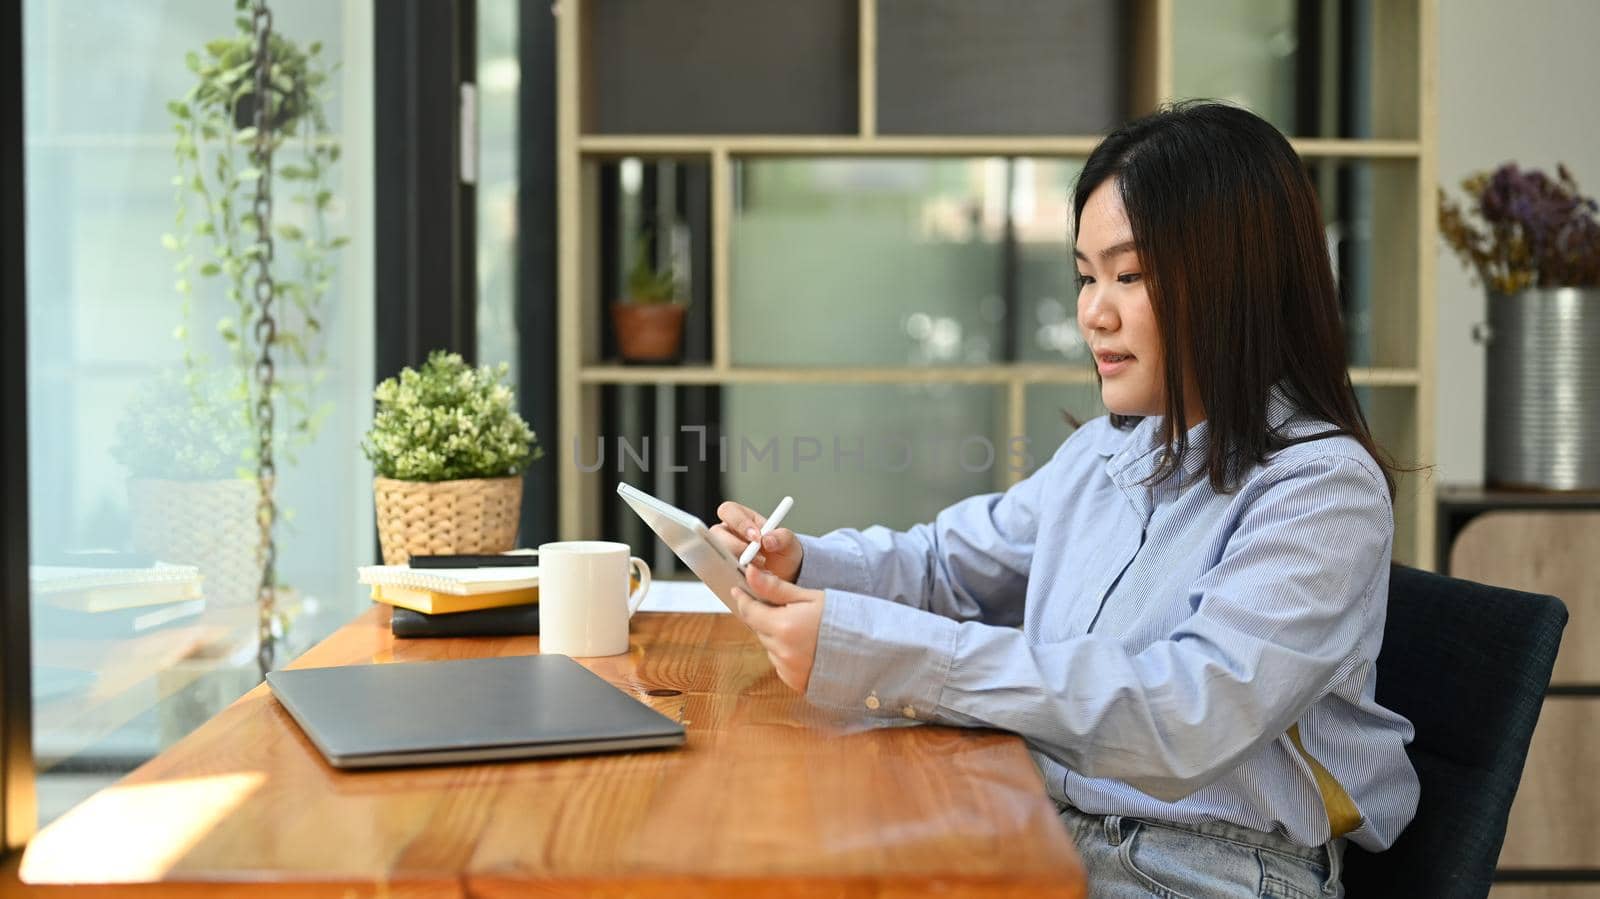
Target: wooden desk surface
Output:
{"points": [[768, 797]]}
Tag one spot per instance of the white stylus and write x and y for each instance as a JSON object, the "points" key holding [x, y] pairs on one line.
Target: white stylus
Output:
{"points": [[773, 520]]}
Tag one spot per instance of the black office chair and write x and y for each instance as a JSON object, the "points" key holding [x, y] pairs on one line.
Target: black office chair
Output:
{"points": [[1468, 664]]}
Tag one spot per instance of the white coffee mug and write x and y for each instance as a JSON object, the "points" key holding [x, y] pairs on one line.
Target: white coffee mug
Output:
{"points": [[584, 603]]}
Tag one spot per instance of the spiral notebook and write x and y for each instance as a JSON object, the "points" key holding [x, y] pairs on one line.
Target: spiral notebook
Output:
{"points": [[85, 589], [454, 581]]}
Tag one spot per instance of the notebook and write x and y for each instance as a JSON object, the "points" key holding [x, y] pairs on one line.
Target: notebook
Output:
{"points": [[458, 581], [86, 589], [371, 716], [435, 603]]}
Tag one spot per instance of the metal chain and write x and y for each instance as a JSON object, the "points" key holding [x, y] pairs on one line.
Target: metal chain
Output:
{"points": [[266, 332]]}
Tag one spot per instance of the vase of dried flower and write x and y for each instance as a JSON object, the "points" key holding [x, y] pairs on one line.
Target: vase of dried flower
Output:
{"points": [[1534, 241], [1542, 428]]}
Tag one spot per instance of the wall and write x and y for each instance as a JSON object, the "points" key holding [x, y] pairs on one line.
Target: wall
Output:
{"points": [[1516, 82]]}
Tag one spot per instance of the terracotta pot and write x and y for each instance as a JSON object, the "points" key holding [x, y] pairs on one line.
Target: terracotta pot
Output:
{"points": [[648, 332]]}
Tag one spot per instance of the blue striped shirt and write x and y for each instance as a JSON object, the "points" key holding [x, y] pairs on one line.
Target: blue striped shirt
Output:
{"points": [[1153, 644]]}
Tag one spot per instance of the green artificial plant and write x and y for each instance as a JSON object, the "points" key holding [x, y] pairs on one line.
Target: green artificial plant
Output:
{"points": [[183, 426], [646, 283], [446, 422]]}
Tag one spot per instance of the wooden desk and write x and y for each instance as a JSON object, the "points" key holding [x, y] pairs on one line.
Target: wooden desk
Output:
{"points": [[769, 797]]}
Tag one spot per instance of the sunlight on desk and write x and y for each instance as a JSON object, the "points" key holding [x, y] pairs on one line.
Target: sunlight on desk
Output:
{"points": [[136, 831], [769, 797]]}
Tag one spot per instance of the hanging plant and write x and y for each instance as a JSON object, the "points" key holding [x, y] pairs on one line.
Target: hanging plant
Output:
{"points": [[216, 232]]}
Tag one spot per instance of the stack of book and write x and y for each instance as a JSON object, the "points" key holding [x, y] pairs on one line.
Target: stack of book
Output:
{"points": [[88, 618], [78, 601], [492, 600]]}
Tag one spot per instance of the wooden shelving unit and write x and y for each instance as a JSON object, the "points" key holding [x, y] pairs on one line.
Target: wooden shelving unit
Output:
{"points": [[1024, 374], [607, 146], [1402, 159]]}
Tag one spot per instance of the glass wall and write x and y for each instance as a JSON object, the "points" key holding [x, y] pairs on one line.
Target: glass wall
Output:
{"points": [[499, 80], [1306, 66], [141, 338], [886, 263], [889, 262]]}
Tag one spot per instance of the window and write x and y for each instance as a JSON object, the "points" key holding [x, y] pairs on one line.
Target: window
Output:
{"points": [[143, 570]]}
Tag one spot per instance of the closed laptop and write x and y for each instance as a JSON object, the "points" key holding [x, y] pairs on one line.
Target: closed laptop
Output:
{"points": [[470, 710]]}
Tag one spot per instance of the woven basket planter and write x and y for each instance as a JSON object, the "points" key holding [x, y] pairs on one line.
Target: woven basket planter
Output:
{"points": [[208, 524], [446, 518]]}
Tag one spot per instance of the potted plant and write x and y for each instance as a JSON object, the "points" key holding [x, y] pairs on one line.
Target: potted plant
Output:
{"points": [[216, 235], [448, 449], [648, 321], [184, 440], [1534, 241]]}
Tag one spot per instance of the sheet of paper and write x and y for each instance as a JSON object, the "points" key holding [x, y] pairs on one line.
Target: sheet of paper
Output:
{"points": [[681, 596]]}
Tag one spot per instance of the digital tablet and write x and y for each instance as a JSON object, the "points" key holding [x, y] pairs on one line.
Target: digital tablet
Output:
{"points": [[690, 540]]}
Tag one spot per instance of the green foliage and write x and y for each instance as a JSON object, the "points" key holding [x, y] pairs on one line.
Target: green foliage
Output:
{"points": [[184, 426], [646, 283], [216, 236], [447, 422]]}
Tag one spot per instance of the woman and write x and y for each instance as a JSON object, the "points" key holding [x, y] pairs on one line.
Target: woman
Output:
{"points": [[1181, 610]]}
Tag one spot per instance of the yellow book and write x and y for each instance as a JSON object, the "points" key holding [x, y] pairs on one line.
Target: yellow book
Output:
{"points": [[431, 602]]}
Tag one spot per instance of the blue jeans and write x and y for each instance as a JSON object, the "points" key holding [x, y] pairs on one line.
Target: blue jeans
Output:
{"points": [[1129, 857]]}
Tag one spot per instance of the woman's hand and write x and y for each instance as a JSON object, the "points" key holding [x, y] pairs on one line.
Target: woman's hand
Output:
{"points": [[780, 550], [786, 623]]}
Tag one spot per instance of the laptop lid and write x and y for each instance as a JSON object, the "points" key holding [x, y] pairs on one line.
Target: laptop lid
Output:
{"points": [[466, 710]]}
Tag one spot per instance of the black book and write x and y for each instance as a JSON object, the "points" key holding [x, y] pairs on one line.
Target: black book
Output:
{"points": [[506, 621], [113, 624], [498, 560]]}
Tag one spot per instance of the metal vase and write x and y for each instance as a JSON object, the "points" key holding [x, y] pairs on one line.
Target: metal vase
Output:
{"points": [[1543, 417]]}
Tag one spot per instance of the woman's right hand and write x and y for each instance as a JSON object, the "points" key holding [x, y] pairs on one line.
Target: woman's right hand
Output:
{"points": [[780, 550]]}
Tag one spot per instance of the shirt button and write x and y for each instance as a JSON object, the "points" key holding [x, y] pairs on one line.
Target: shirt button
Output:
{"points": [[872, 703], [909, 712]]}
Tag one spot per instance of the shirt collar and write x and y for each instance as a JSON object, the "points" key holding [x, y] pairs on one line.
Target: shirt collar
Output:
{"points": [[1135, 458]]}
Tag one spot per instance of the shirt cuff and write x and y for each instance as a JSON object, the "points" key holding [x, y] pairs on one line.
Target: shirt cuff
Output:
{"points": [[879, 658], [831, 562]]}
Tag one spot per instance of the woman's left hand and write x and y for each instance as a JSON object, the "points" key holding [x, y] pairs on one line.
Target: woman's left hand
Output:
{"points": [[786, 623]]}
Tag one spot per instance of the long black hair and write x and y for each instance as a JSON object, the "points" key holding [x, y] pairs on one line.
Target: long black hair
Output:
{"points": [[1230, 242]]}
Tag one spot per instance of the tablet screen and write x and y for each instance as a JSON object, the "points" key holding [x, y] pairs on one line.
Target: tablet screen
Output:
{"points": [[689, 539]]}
